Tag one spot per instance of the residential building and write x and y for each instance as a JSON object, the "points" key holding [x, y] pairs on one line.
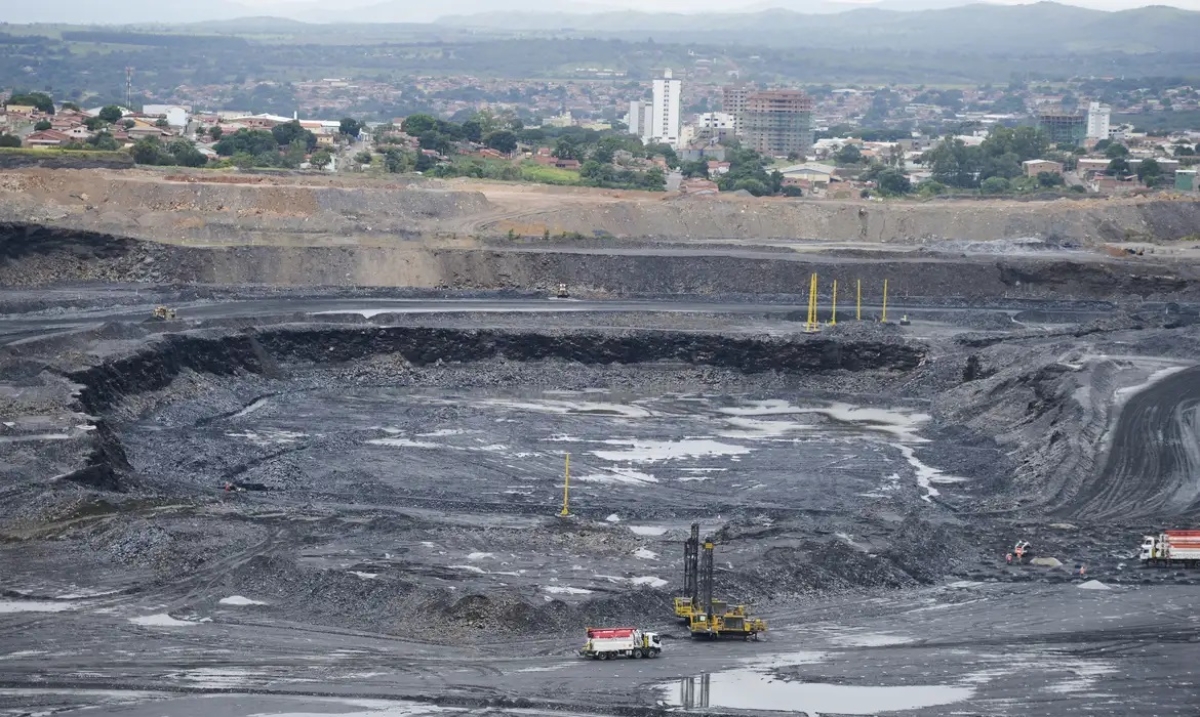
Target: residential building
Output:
{"points": [[778, 123], [813, 173], [1186, 180], [46, 138], [1034, 167], [1091, 164], [639, 119], [664, 117], [1098, 121], [1063, 127], [716, 121], [175, 115], [733, 98]]}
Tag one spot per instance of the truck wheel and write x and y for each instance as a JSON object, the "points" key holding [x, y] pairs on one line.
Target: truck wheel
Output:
{"points": [[638, 654]]}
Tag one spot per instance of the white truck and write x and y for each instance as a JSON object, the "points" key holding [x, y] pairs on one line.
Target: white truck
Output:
{"points": [[1172, 548], [609, 643]]}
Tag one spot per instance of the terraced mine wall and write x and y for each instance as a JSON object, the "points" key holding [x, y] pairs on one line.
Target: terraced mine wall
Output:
{"points": [[33, 255]]}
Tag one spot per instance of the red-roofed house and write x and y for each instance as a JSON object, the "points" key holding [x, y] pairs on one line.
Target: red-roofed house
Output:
{"points": [[47, 138]]}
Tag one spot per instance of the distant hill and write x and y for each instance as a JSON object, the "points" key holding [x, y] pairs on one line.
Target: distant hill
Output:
{"points": [[1044, 27]]}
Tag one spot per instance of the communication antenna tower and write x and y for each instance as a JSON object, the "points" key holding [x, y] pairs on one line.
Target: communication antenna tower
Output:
{"points": [[128, 88]]}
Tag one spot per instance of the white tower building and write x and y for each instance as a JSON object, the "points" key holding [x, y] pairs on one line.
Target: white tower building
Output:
{"points": [[664, 115], [1099, 118]]}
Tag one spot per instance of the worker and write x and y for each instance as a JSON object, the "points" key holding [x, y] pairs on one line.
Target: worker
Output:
{"points": [[1008, 558]]}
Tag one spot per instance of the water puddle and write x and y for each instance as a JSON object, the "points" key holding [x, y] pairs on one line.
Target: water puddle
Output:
{"points": [[752, 690], [870, 640], [639, 451]]}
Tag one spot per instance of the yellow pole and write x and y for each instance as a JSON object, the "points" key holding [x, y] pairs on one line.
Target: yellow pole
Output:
{"points": [[566, 487], [885, 301], [808, 323], [812, 304], [858, 303], [833, 312]]}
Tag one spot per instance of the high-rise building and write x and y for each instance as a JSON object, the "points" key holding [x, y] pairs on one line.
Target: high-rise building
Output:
{"points": [[639, 119], [1062, 126], [664, 116], [1098, 120], [734, 99], [778, 123]]}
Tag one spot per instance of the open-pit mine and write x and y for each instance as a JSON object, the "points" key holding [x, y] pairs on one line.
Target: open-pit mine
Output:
{"points": [[285, 447]]}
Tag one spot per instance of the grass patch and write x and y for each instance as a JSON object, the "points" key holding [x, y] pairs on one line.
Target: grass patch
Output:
{"points": [[533, 172]]}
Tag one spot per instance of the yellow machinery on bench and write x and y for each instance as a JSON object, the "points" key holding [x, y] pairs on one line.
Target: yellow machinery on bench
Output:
{"points": [[714, 619]]}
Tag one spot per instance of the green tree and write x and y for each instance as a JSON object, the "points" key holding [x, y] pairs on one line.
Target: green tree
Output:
{"points": [[350, 127], [185, 154], [892, 182], [666, 150], [71, 107], [1119, 167], [472, 130], [103, 141], [127, 124], [111, 114], [1149, 172], [1115, 150], [40, 100], [249, 141], [502, 141], [320, 159], [242, 160], [289, 132], [696, 168], [416, 125], [161, 123], [395, 161], [848, 154], [42, 125], [434, 140], [994, 185], [215, 132], [148, 150], [1103, 144], [1050, 179], [363, 157], [95, 124], [566, 148], [8, 140]]}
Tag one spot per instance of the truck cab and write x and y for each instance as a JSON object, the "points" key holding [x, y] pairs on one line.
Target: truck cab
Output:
{"points": [[1149, 548]]}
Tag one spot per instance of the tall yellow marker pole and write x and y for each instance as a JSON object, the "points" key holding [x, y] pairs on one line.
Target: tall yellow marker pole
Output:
{"points": [[566, 488], [812, 303], [885, 301], [833, 313], [858, 303]]}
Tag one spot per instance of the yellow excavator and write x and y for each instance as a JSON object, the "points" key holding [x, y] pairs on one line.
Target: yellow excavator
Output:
{"points": [[162, 313]]}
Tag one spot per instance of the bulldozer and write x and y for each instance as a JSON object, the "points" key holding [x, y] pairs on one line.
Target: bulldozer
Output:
{"points": [[162, 313]]}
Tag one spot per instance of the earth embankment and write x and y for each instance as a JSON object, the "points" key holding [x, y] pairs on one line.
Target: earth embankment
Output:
{"points": [[211, 208]]}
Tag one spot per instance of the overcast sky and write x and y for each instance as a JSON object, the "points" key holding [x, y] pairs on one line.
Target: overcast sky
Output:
{"points": [[733, 5]]}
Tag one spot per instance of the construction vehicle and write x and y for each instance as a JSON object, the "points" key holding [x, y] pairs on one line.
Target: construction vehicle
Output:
{"points": [[690, 601], [1172, 548], [904, 320], [1021, 553], [162, 313], [562, 292], [714, 619], [609, 643]]}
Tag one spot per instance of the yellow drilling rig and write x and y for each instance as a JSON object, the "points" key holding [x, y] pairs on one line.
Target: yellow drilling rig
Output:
{"points": [[705, 616]]}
